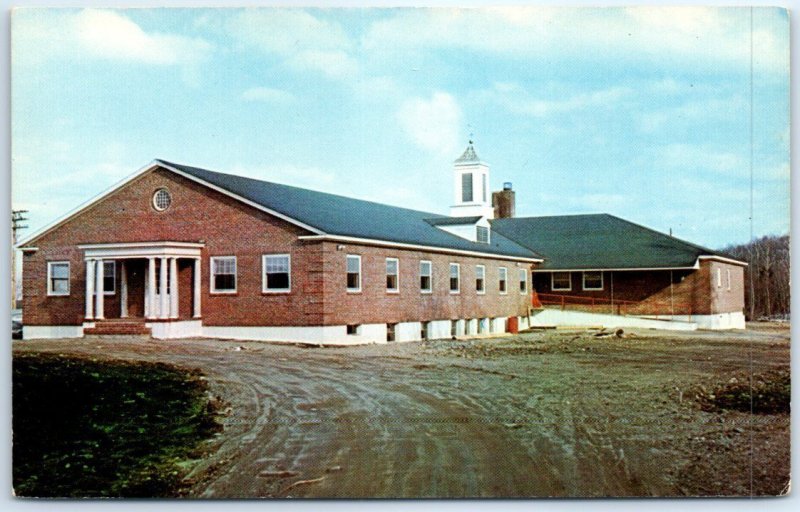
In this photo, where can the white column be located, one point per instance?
(89, 289)
(98, 308)
(162, 290)
(123, 290)
(151, 288)
(173, 287)
(197, 288)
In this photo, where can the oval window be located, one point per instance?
(162, 199)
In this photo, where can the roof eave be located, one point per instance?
(403, 245)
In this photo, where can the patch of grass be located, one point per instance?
(86, 428)
(771, 393)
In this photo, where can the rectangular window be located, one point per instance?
(353, 273)
(277, 273)
(729, 279)
(425, 278)
(482, 234)
(523, 281)
(455, 277)
(561, 281)
(57, 278)
(484, 187)
(223, 274)
(109, 277)
(503, 279)
(466, 187)
(390, 329)
(392, 275)
(353, 330)
(480, 279)
(592, 280)
(719, 278)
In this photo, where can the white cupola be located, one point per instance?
(471, 186)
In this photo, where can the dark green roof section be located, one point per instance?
(345, 216)
(598, 241)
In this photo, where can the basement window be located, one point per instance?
(561, 281)
(353, 273)
(390, 332)
(353, 330)
(503, 280)
(480, 279)
(392, 274)
(425, 276)
(57, 278)
(277, 273)
(592, 280)
(455, 278)
(223, 274)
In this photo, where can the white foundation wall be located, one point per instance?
(439, 329)
(524, 322)
(471, 327)
(557, 317)
(720, 321)
(407, 331)
(172, 330)
(40, 332)
(498, 325)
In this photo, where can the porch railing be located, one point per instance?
(657, 308)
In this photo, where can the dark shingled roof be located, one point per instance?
(598, 241)
(345, 216)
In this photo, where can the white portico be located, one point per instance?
(148, 279)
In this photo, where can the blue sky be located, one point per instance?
(642, 112)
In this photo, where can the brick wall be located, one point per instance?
(228, 227)
(375, 305)
(693, 291)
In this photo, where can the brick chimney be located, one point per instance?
(504, 202)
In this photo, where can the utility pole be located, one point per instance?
(17, 218)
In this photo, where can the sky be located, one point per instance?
(644, 113)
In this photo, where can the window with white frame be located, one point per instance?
(523, 281)
(466, 187)
(455, 277)
(277, 276)
(392, 275)
(425, 277)
(109, 278)
(57, 278)
(223, 274)
(482, 234)
(719, 278)
(353, 273)
(592, 280)
(561, 281)
(729, 279)
(480, 278)
(503, 279)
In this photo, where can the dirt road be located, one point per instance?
(541, 414)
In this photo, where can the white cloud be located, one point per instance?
(101, 34)
(516, 99)
(108, 34)
(433, 124)
(689, 34)
(300, 39)
(267, 95)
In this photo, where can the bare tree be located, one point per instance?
(768, 295)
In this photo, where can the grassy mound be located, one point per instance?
(771, 393)
(104, 429)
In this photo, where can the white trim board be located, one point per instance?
(428, 248)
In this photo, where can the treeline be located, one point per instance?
(768, 266)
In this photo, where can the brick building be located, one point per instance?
(180, 251)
